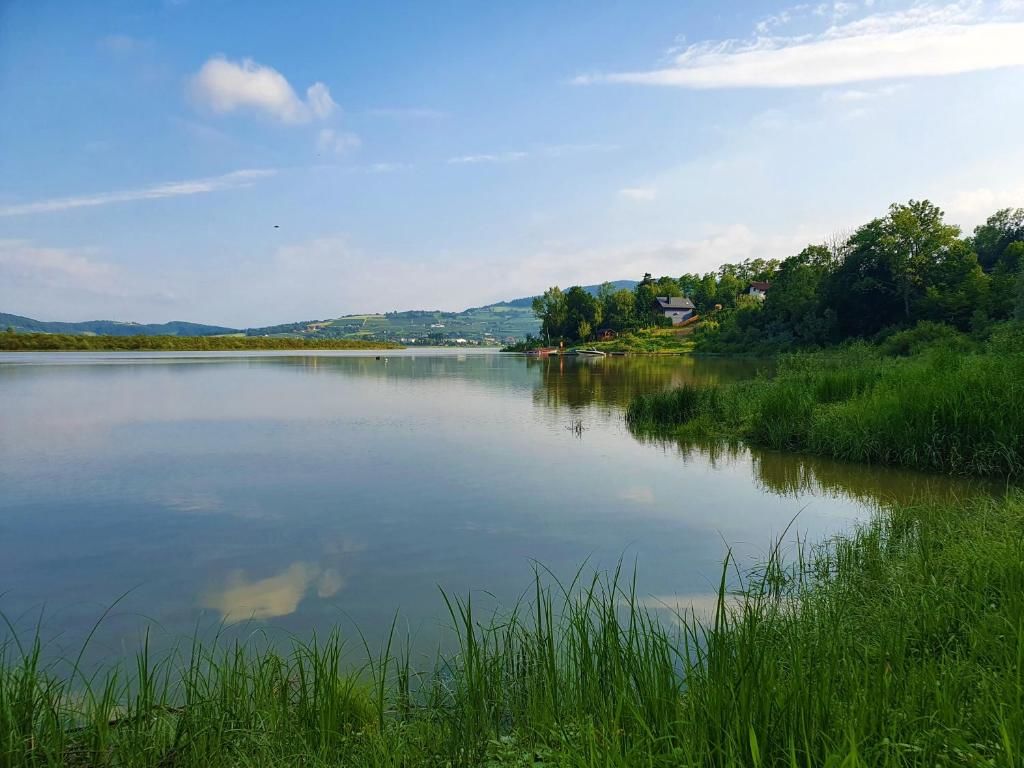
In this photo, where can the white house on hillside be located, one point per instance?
(758, 289)
(678, 309)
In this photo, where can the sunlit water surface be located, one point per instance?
(295, 491)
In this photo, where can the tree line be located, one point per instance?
(905, 267)
(891, 273)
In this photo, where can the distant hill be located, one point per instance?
(111, 327)
(527, 301)
(492, 323)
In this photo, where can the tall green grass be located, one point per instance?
(900, 645)
(941, 410)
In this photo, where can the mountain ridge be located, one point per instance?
(502, 320)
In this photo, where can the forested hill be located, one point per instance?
(111, 327)
(527, 301)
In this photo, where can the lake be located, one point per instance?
(294, 491)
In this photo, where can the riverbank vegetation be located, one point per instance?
(897, 270)
(649, 341)
(19, 342)
(897, 645)
(928, 398)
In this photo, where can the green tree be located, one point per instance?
(887, 266)
(1000, 231)
(688, 284)
(583, 314)
(730, 286)
(619, 310)
(1004, 279)
(706, 295)
(552, 310)
(643, 305)
(667, 286)
(793, 306)
(1018, 311)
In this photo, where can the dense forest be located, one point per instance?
(889, 274)
(11, 341)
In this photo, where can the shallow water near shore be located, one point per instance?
(293, 491)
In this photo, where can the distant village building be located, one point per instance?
(606, 334)
(678, 309)
(758, 289)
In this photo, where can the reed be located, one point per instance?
(941, 410)
(901, 644)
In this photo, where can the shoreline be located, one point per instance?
(832, 654)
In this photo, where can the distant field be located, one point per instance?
(13, 342)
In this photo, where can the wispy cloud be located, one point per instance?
(500, 157)
(925, 40)
(388, 167)
(639, 194)
(562, 150)
(234, 180)
(407, 113)
(223, 86)
(337, 142)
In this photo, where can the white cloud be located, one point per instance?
(922, 41)
(223, 86)
(338, 142)
(72, 283)
(48, 267)
(500, 157)
(568, 265)
(972, 206)
(234, 180)
(639, 194)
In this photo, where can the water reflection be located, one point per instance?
(243, 598)
(297, 487)
(578, 382)
(798, 476)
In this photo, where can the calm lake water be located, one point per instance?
(300, 490)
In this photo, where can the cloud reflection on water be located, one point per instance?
(274, 596)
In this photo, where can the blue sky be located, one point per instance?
(444, 155)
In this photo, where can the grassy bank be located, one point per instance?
(649, 341)
(944, 408)
(54, 342)
(899, 645)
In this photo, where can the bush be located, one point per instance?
(922, 336)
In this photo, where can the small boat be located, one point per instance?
(592, 352)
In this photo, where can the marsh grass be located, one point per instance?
(940, 410)
(899, 645)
